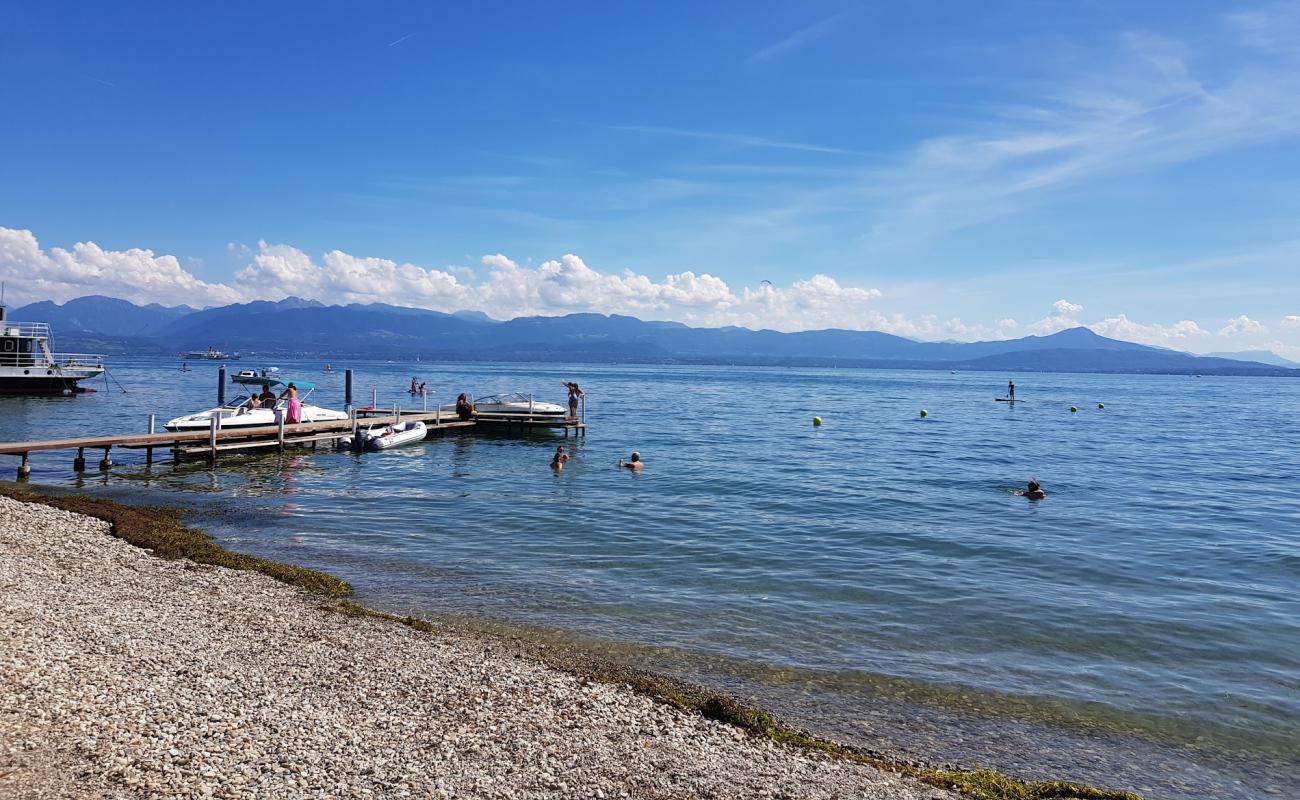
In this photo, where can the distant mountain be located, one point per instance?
(308, 328)
(107, 316)
(1258, 356)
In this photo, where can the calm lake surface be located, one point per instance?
(874, 579)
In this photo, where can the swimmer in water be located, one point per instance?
(636, 464)
(557, 463)
(1033, 491)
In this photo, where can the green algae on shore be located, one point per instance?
(160, 531)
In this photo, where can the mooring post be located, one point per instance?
(279, 428)
(424, 401)
(79, 463)
(347, 389)
(221, 386)
(352, 414)
(374, 399)
(107, 461)
(24, 468)
(213, 424)
(148, 451)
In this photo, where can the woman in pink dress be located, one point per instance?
(293, 411)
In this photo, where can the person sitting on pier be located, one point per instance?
(464, 409)
(636, 464)
(557, 463)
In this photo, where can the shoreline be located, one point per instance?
(700, 726)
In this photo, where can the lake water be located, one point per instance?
(874, 579)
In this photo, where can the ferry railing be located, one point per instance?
(55, 361)
(33, 330)
(77, 359)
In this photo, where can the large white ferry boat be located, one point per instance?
(29, 365)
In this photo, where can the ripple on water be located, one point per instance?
(881, 558)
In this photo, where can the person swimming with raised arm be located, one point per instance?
(557, 463)
(1033, 491)
(635, 464)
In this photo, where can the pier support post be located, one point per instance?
(79, 463)
(279, 428)
(213, 424)
(221, 386)
(374, 398)
(24, 468)
(347, 389)
(107, 461)
(148, 451)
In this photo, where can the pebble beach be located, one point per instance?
(127, 675)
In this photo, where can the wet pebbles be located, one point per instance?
(124, 675)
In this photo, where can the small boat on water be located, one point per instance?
(386, 437)
(512, 404)
(211, 354)
(29, 365)
(239, 412)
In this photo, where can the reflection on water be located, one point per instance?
(875, 577)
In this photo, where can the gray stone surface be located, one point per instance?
(124, 675)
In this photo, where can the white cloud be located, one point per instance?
(1242, 325)
(504, 288)
(1178, 335)
(1060, 319)
(1145, 102)
(137, 275)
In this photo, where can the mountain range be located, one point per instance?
(307, 328)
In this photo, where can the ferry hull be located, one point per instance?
(37, 386)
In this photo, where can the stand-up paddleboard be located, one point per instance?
(1007, 400)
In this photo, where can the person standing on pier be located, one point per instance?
(574, 393)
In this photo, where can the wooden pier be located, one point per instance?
(216, 441)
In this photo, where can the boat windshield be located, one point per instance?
(241, 400)
(508, 397)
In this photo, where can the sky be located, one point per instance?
(939, 170)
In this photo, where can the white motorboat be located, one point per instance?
(512, 404)
(29, 365)
(386, 437)
(240, 412)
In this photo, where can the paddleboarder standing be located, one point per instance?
(1011, 390)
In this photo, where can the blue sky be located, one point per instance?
(940, 170)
